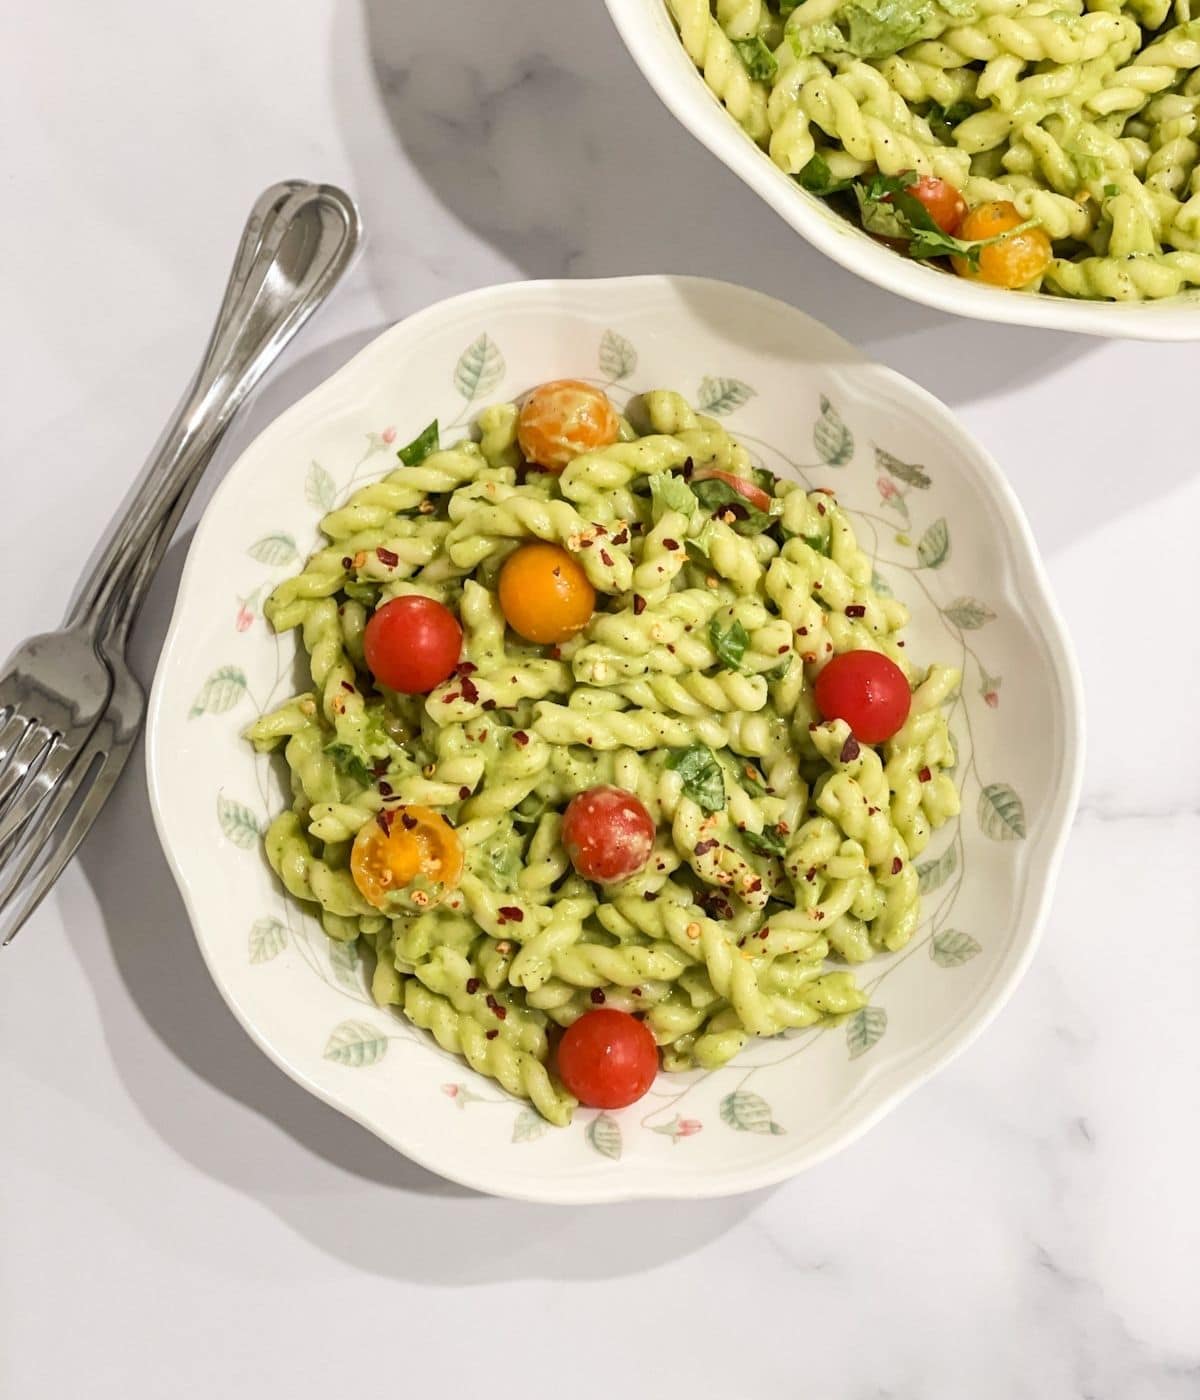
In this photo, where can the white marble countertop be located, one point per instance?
(176, 1217)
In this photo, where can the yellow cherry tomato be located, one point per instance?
(1013, 262)
(412, 852)
(563, 418)
(544, 594)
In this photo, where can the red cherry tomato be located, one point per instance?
(753, 495)
(412, 644)
(944, 204)
(607, 833)
(867, 690)
(607, 1059)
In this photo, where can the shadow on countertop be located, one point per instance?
(539, 133)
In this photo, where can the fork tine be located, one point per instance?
(30, 747)
(100, 784)
(31, 796)
(10, 732)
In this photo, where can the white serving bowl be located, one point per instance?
(957, 550)
(651, 38)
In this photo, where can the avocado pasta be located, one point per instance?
(434, 819)
(1066, 132)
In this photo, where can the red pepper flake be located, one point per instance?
(386, 557)
(606, 558)
(897, 865)
(871, 811)
(385, 789)
(586, 544)
(470, 691)
(451, 698)
(670, 544)
(801, 631)
(491, 1035)
(924, 775)
(671, 648)
(466, 668)
(347, 686)
(850, 750)
(899, 644)
(347, 563)
(763, 932)
(817, 584)
(688, 467)
(820, 508)
(463, 793)
(639, 605)
(809, 656)
(635, 991)
(495, 1008)
(649, 896)
(488, 704)
(407, 822)
(779, 651)
(811, 873)
(818, 914)
(555, 653)
(703, 847)
(520, 737)
(856, 610)
(510, 913)
(597, 997)
(600, 529)
(472, 986)
(384, 822)
(621, 537)
(754, 886)
(380, 767)
(813, 726)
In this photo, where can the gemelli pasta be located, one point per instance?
(586, 737)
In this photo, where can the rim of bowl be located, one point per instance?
(1031, 584)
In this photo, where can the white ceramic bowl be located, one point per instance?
(957, 550)
(650, 36)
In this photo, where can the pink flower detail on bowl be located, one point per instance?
(244, 618)
(388, 435)
(887, 488)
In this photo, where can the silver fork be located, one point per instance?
(75, 685)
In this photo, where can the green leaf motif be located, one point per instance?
(238, 822)
(749, 1113)
(529, 1125)
(319, 490)
(969, 614)
(864, 1029)
(604, 1134)
(950, 948)
(480, 368)
(933, 874)
(908, 472)
(618, 358)
(881, 585)
(268, 938)
(832, 439)
(344, 961)
(357, 1044)
(1001, 813)
(721, 396)
(933, 548)
(276, 550)
(221, 692)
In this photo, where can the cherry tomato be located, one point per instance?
(944, 204)
(608, 834)
(412, 644)
(1012, 262)
(751, 494)
(867, 690)
(418, 848)
(607, 1059)
(544, 594)
(563, 418)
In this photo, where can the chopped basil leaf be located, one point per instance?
(769, 842)
(1110, 190)
(751, 779)
(759, 60)
(701, 774)
(818, 543)
(719, 498)
(765, 479)
(777, 673)
(670, 492)
(420, 447)
(943, 120)
(346, 761)
(731, 645)
(888, 209)
(817, 178)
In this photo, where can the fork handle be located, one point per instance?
(298, 241)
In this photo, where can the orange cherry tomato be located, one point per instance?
(1013, 262)
(408, 852)
(563, 418)
(544, 593)
(944, 204)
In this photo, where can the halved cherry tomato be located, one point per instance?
(563, 418)
(1014, 261)
(607, 1059)
(753, 495)
(866, 689)
(544, 593)
(412, 644)
(413, 849)
(608, 833)
(944, 204)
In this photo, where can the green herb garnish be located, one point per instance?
(701, 774)
(421, 446)
(730, 645)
